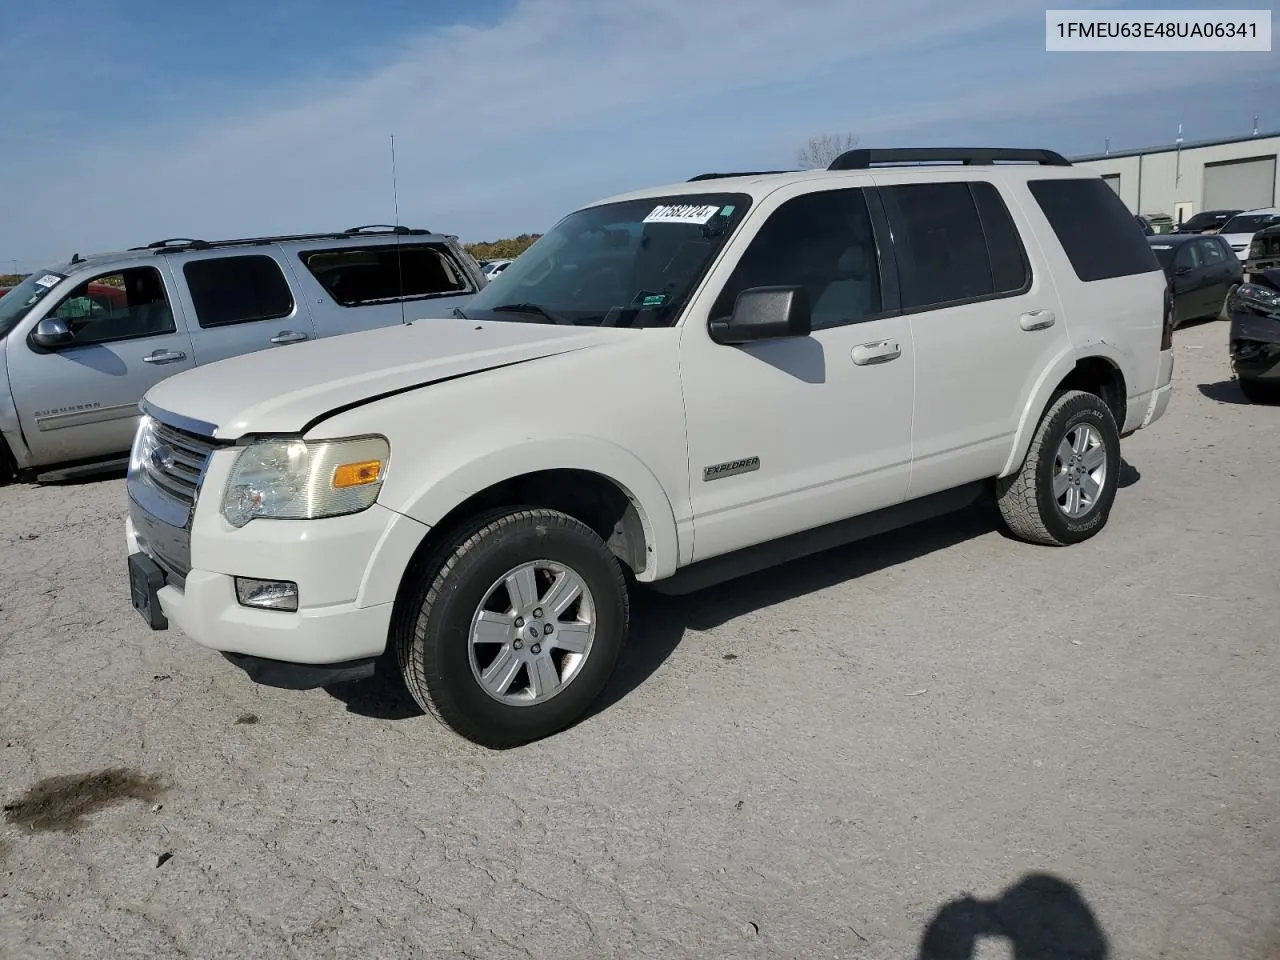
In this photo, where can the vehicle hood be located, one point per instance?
(1235, 239)
(284, 389)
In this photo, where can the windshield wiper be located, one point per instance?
(531, 308)
(457, 312)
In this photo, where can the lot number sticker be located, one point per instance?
(697, 214)
(48, 280)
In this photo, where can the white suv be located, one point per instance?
(675, 386)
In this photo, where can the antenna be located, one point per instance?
(395, 196)
(1255, 124)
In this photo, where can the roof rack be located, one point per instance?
(175, 244)
(977, 156)
(744, 173)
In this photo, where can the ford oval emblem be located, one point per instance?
(162, 458)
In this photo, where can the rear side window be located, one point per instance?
(1098, 233)
(227, 290)
(956, 243)
(356, 276)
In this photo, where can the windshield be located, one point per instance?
(15, 304)
(1205, 221)
(1250, 222)
(1164, 253)
(623, 264)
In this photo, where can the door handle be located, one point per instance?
(164, 356)
(1037, 320)
(288, 336)
(881, 351)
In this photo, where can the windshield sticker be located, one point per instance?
(1161, 246)
(697, 214)
(656, 300)
(48, 280)
(727, 211)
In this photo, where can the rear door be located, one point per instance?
(241, 302)
(1190, 283)
(1221, 272)
(80, 401)
(363, 286)
(984, 318)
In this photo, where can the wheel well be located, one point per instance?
(1103, 378)
(589, 497)
(8, 465)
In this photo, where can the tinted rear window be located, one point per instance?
(227, 290)
(1095, 228)
(382, 274)
(956, 243)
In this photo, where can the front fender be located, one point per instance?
(1047, 383)
(448, 481)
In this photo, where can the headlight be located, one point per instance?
(301, 480)
(1259, 296)
(142, 443)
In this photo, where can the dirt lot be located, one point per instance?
(820, 761)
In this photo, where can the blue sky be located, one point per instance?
(130, 120)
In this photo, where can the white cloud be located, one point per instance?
(498, 126)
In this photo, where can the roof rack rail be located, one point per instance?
(178, 244)
(744, 173)
(386, 228)
(862, 159)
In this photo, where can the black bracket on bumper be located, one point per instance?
(302, 676)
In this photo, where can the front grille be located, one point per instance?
(175, 462)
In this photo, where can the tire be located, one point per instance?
(1026, 499)
(1256, 391)
(441, 665)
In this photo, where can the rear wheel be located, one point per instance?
(514, 627)
(1064, 490)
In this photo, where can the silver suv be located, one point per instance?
(82, 341)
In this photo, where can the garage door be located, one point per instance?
(1240, 184)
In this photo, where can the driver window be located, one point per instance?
(117, 306)
(823, 242)
(1187, 256)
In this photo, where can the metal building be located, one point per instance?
(1238, 173)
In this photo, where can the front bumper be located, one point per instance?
(348, 570)
(1254, 344)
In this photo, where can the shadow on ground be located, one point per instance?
(658, 623)
(1041, 917)
(1224, 391)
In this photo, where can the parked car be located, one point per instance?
(494, 267)
(82, 341)
(1264, 251)
(1254, 338)
(1239, 230)
(4, 290)
(1202, 272)
(1206, 221)
(680, 384)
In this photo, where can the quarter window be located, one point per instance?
(227, 290)
(386, 273)
(1097, 232)
(820, 241)
(117, 306)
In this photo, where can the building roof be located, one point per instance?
(1168, 147)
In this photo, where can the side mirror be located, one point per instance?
(52, 333)
(765, 313)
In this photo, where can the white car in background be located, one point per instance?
(494, 267)
(1239, 230)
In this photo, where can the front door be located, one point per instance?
(80, 401)
(1192, 288)
(241, 303)
(1220, 273)
(791, 434)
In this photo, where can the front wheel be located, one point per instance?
(1063, 492)
(515, 626)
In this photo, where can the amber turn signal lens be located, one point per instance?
(357, 474)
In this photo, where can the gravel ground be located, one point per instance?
(940, 734)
